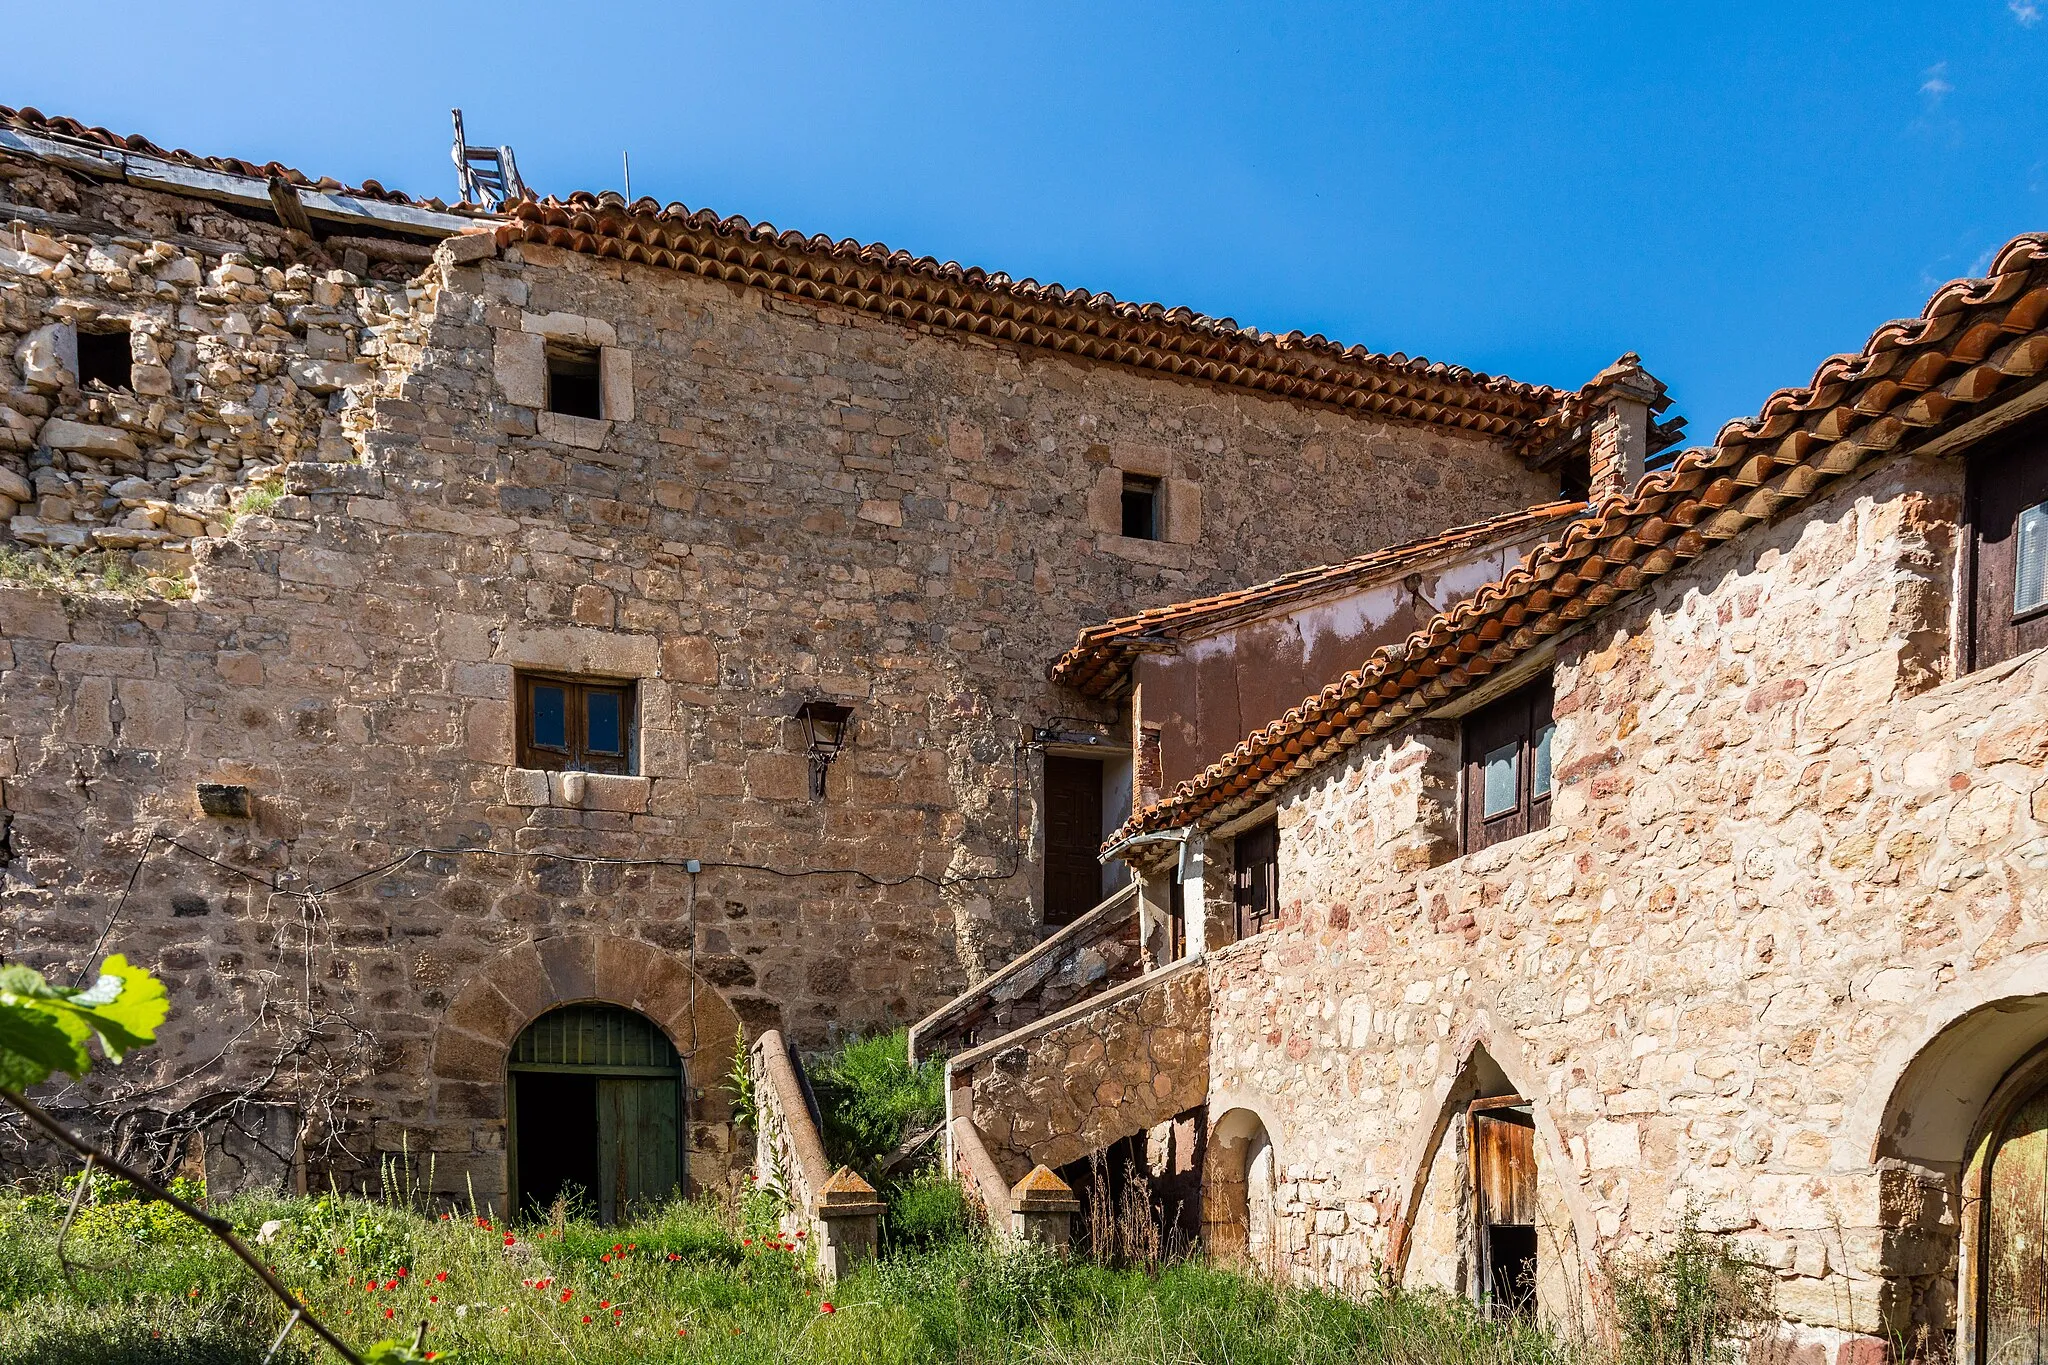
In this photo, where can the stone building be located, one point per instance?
(1690, 870)
(470, 651)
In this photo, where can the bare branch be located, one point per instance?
(219, 1227)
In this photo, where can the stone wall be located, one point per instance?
(1069, 1085)
(1788, 849)
(786, 501)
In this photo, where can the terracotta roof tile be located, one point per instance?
(922, 291)
(1099, 664)
(1975, 340)
(34, 121)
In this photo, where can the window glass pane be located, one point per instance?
(1502, 770)
(604, 724)
(1539, 780)
(2030, 574)
(550, 716)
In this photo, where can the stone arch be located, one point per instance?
(1942, 1073)
(1240, 1188)
(1927, 1138)
(1430, 1232)
(466, 1072)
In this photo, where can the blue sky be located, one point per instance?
(1733, 189)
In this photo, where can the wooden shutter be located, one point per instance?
(1073, 837)
(1255, 884)
(2005, 479)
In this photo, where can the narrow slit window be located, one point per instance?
(574, 385)
(575, 725)
(106, 358)
(1141, 507)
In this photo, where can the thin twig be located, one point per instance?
(221, 1229)
(289, 1323)
(77, 1197)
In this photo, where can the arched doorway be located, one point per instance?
(596, 1104)
(2004, 1297)
(1240, 1217)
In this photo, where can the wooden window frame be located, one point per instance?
(1993, 630)
(576, 756)
(1519, 718)
(1256, 877)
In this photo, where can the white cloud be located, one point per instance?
(1935, 86)
(2026, 11)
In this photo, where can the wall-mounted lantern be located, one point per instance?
(826, 726)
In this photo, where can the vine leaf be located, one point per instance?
(45, 1028)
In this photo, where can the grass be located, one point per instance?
(104, 573)
(691, 1282)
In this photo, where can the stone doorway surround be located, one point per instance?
(467, 1078)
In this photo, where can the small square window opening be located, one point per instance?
(1141, 507)
(574, 386)
(105, 358)
(574, 725)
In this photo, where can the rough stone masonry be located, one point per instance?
(332, 521)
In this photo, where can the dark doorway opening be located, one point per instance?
(596, 1110)
(1141, 1196)
(1511, 1254)
(557, 1139)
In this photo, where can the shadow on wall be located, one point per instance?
(1240, 1194)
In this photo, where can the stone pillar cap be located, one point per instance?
(1043, 1192)
(845, 1195)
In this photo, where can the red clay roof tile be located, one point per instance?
(1975, 339)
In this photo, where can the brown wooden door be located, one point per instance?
(1503, 1154)
(1255, 884)
(1073, 837)
(2009, 547)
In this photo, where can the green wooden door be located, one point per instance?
(638, 1143)
(610, 1088)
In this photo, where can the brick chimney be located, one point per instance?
(1623, 399)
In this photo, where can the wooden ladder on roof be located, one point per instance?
(489, 175)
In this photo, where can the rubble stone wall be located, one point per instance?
(1068, 1086)
(1789, 848)
(786, 501)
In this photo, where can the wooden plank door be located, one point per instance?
(1503, 1153)
(1073, 836)
(638, 1143)
(1255, 882)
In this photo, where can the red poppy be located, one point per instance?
(433, 1298)
(605, 1257)
(801, 1235)
(440, 1275)
(390, 1312)
(826, 1307)
(403, 1272)
(568, 1294)
(586, 1317)
(510, 1239)
(604, 1303)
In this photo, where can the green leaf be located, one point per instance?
(394, 1353)
(124, 1007)
(34, 1042)
(45, 1028)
